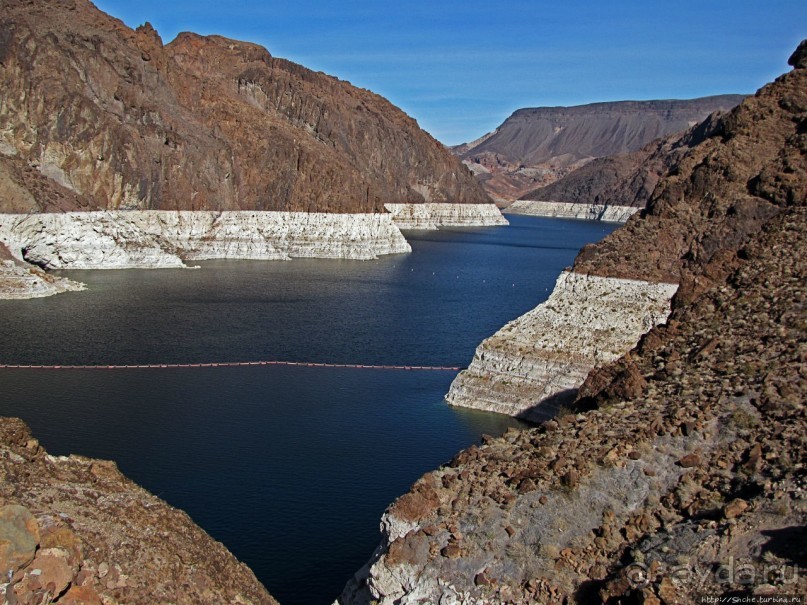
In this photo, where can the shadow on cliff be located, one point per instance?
(548, 408)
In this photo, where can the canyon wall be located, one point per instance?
(536, 146)
(95, 115)
(627, 180)
(155, 239)
(125, 239)
(589, 212)
(546, 353)
(682, 459)
(431, 216)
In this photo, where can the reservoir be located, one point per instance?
(291, 467)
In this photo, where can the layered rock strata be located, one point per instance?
(75, 531)
(625, 179)
(536, 146)
(690, 468)
(20, 280)
(680, 472)
(143, 239)
(587, 322)
(431, 216)
(109, 117)
(589, 212)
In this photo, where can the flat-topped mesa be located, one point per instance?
(536, 362)
(201, 123)
(164, 239)
(431, 216)
(536, 146)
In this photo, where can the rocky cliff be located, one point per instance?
(578, 211)
(19, 280)
(536, 146)
(587, 322)
(74, 531)
(96, 115)
(618, 181)
(433, 216)
(680, 471)
(118, 239)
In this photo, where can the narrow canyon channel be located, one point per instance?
(290, 467)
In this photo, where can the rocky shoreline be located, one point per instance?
(589, 212)
(19, 280)
(171, 239)
(158, 239)
(75, 531)
(431, 216)
(678, 470)
(539, 360)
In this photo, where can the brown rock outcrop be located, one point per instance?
(115, 119)
(742, 170)
(75, 530)
(680, 470)
(628, 179)
(620, 180)
(536, 146)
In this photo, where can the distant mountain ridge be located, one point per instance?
(536, 146)
(682, 449)
(97, 115)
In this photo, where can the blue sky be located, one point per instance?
(460, 68)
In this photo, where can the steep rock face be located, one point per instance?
(587, 212)
(165, 239)
(431, 216)
(76, 531)
(121, 121)
(684, 461)
(20, 280)
(23, 188)
(587, 322)
(536, 146)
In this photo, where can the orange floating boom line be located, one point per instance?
(158, 366)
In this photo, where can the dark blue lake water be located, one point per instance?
(290, 467)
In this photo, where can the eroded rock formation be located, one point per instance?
(683, 461)
(95, 115)
(75, 531)
(587, 322)
(587, 212)
(536, 146)
(19, 280)
(156, 239)
(432, 216)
